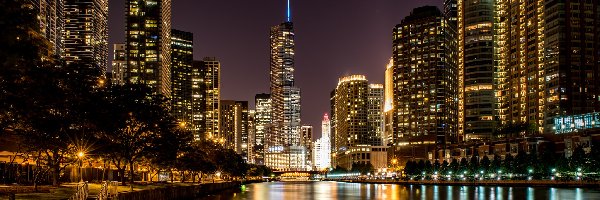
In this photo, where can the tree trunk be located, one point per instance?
(122, 174)
(55, 174)
(131, 172)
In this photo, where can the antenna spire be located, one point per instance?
(289, 13)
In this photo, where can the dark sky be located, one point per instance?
(333, 38)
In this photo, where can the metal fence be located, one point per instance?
(108, 190)
(82, 192)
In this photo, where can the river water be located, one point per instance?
(335, 190)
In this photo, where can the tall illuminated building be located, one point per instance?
(148, 40)
(198, 99)
(234, 126)
(283, 140)
(251, 136)
(306, 141)
(322, 147)
(51, 20)
(119, 64)
(212, 79)
(572, 77)
(262, 121)
(183, 85)
(85, 34)
(375, 116)
(477, 117)
(388, 99)
(425, 103)
(359, 122)
(451, 11)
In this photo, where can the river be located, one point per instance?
(336, 190)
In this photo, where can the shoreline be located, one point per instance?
(512, 183)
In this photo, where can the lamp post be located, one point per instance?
(80, 156)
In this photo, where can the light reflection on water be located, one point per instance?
(334, 190)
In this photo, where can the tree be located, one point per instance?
(496, 163)
(454, 166)
(474, 163)
(485, 164)
(131, 121)
(196, 159)
(362, 168)
(464, 165)
(508, 164)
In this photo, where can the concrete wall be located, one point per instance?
(178, 192)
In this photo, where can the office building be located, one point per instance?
(148, 44)
(85, 34)
(425, 79)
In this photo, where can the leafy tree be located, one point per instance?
(485, 164)
(362, 168)
(474, 163)
(508, 164)
(454, 166)
(428, 167)
(496, 163)
(132, 120)
(578, 159)
(445, 167)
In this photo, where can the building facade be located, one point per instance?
(477, 113)
(119, 64)
(182, 58)
(425, 79)
(284, 133)
(359, 117)
(262, 122)
(234, 126)
(322, 147)
(212, 79)
(52, 21)
(148, 44)
(85, 34)
(307, 142)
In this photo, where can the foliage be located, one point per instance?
(362, 168)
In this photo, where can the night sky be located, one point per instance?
(333, 38)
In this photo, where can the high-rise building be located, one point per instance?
(51, 19)
(198, 100)
(307, 142)
(388, 99)
(119, 64)
(285, 99)
(375, 117)
(85, 34)
(181, 76)
(476, 99)
(571, 68)
(227, 125)
(212, 79)
(322, 147)
(544, 66)
(262, 121)
(359, 122)
(234, 126)
(251, 136)
(425, 79)
(148, 40)
(451, 11)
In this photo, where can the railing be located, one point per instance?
(108, 190)
(82, 192)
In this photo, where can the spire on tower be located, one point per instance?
(289, 13)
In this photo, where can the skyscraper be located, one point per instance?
(51, 19)
(148, 40)
(476, 99)
(212, 79)
(388, 99)
(359, 122)
(262, 121)
(425, 103)
(198, 100)
(181, 76)
(285, 96)
(375, 117)
(119, 64)
(234, 126)
(545, 65)
(322, 147)
(306, 142)
(85, 34)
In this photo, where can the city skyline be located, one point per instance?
(367, 38)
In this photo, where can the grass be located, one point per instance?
(68, 189)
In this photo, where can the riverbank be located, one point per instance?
(506, 183)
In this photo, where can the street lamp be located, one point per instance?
(80, 156)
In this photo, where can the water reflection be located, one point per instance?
(335, 190)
